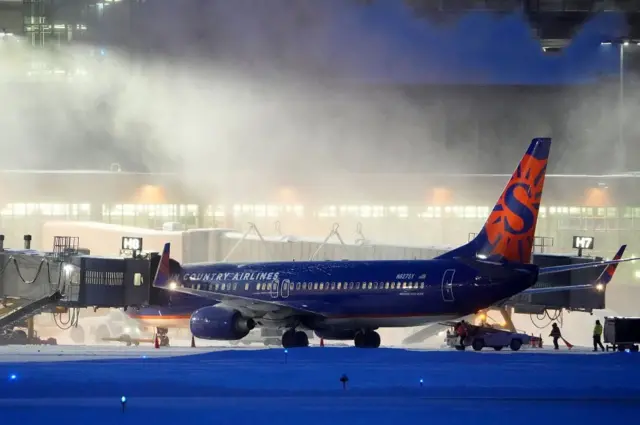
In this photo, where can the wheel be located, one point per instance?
(369, 339)
(497, 348)
(515, 344)
(477, 344)
(301, 338)
(19, 337)
(289, 339)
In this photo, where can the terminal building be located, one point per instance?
(399, 210)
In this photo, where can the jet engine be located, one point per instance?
(220, 323)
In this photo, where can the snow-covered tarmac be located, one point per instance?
(225, 385)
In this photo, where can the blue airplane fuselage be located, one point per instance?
(369, 294)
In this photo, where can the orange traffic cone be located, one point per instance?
(156, 343)
(193, 341)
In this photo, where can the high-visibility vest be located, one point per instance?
(597, 330)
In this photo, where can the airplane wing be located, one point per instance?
(246, 305)
(257, 308)
(600, 283)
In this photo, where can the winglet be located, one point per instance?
(161, 279)
(609, 271)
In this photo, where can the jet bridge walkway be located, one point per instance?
(34, 281)
(29, 310)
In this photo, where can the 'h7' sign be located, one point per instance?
(583, 242)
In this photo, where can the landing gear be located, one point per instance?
(163, 337)
(367, 339)
(293, 339)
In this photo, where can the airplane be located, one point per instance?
(176, 314)
(599, 285)
(350, 300)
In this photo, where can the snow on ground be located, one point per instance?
(59, 353)
(242, 386)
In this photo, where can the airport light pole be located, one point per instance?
(622, 45)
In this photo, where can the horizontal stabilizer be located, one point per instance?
(571, 267)
(496, 270)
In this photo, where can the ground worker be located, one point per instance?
(556, 335)
(461, 330)
(597, 336)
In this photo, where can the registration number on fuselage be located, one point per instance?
(405, 276)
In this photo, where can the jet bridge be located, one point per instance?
(70, 278)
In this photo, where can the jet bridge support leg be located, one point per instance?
(507, 315)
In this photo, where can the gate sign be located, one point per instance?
(583, 242)
(134, 244)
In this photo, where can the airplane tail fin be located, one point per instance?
(509, 232)
(163, 274)
(607, 274)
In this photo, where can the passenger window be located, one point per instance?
(269, 286)
(370, 285)
(333, 286)
(393, 285)
(217, 286)
(421, 285)
(137, 279)
(339, 285)
(321, 286)
(246, 286)
(375, 285)
(350, 285)
(298, 286)
(315, 286)
(386, 285)
(235, 286)
(291, 286)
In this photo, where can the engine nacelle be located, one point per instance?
(336, 335)
(220, 323)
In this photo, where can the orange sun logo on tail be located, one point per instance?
(510, 228)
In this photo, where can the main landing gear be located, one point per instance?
(367, 339)
(294, 339)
